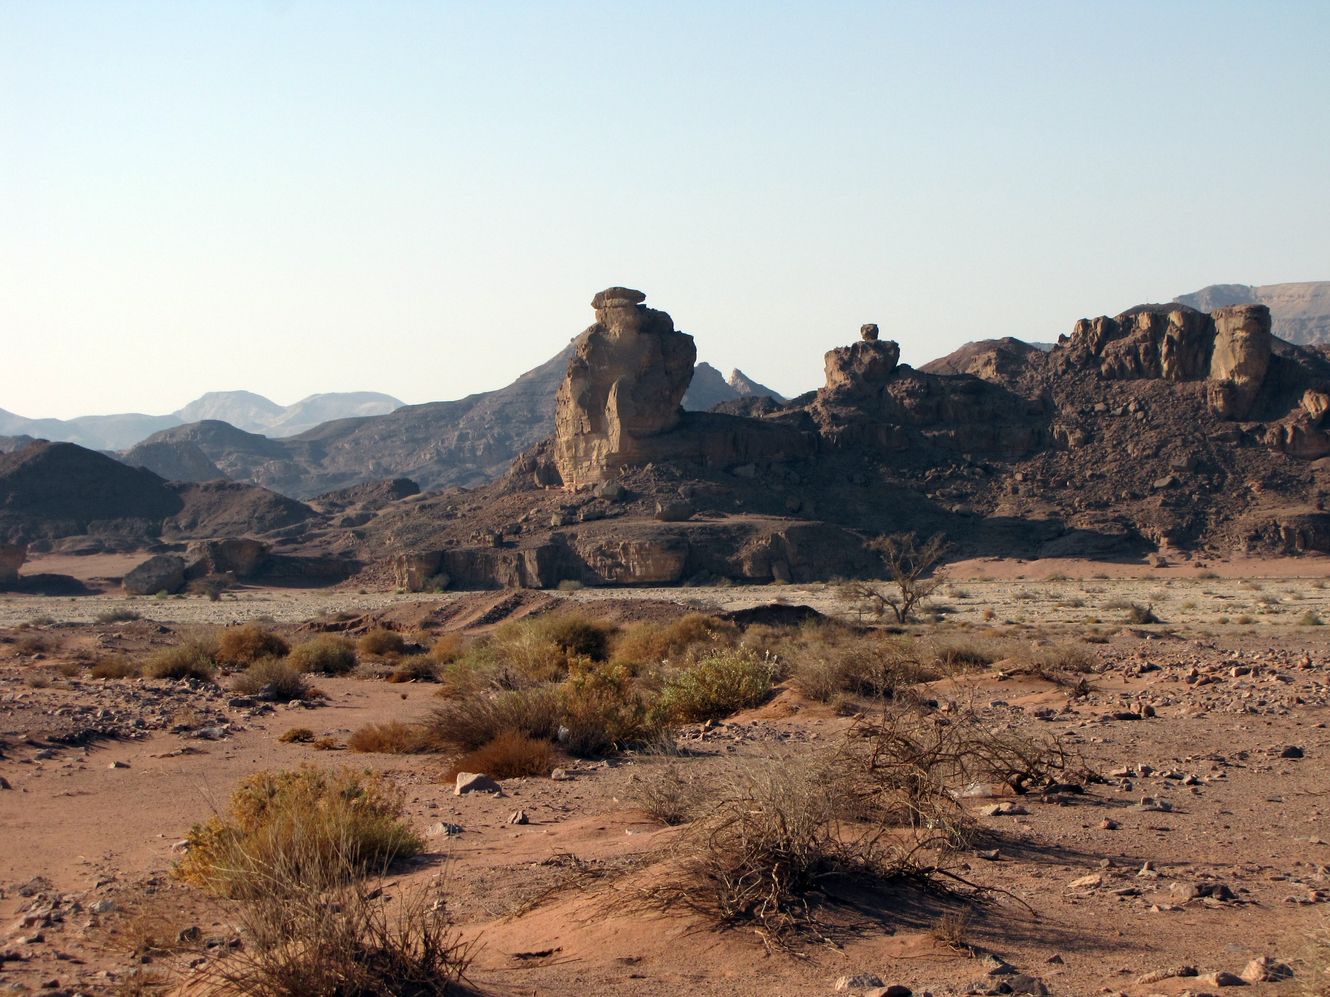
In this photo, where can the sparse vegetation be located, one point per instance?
(320, 827)
(391, 738)
(193, 658)
(119, 615)
(381, 642)
(326, 654)
(113, 666)
(297, 735)
(718, 685)
(910, 564)
(511, 755)
(274, 679)
(471, 722)
(418, 668)
(240, 646)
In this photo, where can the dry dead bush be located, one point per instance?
(121, 615)
(910, 563)
(381, 642)
(353, 939)
(36, 644)
(192, 658)
(391, 738)
(321, 826)
(958, 654)
(247, 644)
(773, 836)
(911, 769)
(952, 930)
(326, 654)
(684, 639)
(511, 755)
(474, 721)
(667, 794)
(297, 735)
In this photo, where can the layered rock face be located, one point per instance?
(1230, 349)
(625, 385)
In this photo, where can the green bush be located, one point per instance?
(718, 685)
(601, 710)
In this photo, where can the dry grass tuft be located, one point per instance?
(391, 738)
(511, 755)
(113, 666)
(321, 826)
(326, 654)
(297, 735)
(274, 679)
(245, 645)
(381, 642)
(194, 658)
(681, 641)
(476, 720)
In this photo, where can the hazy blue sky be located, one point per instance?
(421, 198)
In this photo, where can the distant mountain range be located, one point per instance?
(1300, 313)
(466, 442)
(242, 409)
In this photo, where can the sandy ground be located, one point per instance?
(85, 847)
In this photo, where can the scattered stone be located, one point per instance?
(560, 775)
(443, 829)
(476, 782)
(861, 981)
(1166, 974)
(519, 817)
(1221, 979)
(1108, 824)
(1291, 751)
(1267, 970)
(1089, 882)
(1005, 810)
(895, 990)
(118, 765)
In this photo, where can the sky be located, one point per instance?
(421, 198)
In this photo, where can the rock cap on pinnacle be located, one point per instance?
(617, 296)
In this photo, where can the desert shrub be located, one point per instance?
(862, 666)
(391, 738)
(247, 644)
(1052, 659)
(472, 722)
(274, 679)
(121, 615)
(381, 642)
(447, 649)
(322, 827)
(647, 644)
(601, 710)
(355, 939)
(543, 648)
(1311, 619)
(964, 655)
(766, 845)
(327, 654)
(511, 755)
(35, 644)
(666, 794)
(297, 735)
(113, 666)
(718, 685)
(1142, 615)
(193, 658)
(327, 744)
(418, 668)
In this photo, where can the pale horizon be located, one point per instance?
(294, 198)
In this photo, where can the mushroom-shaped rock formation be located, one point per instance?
(625, 384)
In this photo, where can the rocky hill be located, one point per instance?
(64, 492)
(1161, 429)
(1300, 312)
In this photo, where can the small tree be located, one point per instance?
(910, 566)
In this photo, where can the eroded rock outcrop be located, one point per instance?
(625, 385)
(1229, 349)
(12, 557)
(163, 573)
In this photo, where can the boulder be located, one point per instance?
(162, 573)
(625, 384)
(12, 557)
(475, 782)
(239, 557)
(866, 363)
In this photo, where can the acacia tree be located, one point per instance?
(911, 565)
